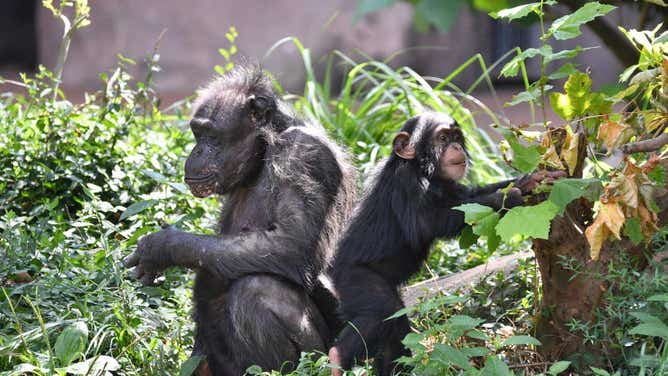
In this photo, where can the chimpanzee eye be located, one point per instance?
(444, 137)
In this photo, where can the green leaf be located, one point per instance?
(651, 330)
(566, 190)
(483, 221)
(633, 230)
(491, 5)
(442, 14)
(599, 371)
(370, 6)
(189, 366)
(253, 370)
(533, 221)
(563, 54)
(71, 343)
(495, 367)
(448, 355)
(530, 95)
(658, 298)
(467, 238)
(512, 68)
(137, 207)
(474, 212)
(657, 175)
(521, 340)
(519, 11)
(577, 98)
(568, 26)
(558, 367)
(475, 352)
(563, 72)
(93, 366)
(525, 158)
(464, 322)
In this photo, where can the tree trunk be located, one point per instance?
(568, 295)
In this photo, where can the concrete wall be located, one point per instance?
(196, 29)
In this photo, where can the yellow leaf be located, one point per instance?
(626, 188)
(551, 158)
(613, 217)
(596, 235)
(653, 119)
(609, 132)
(570, 152)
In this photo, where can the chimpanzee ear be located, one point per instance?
(260, 107)
(402, 146)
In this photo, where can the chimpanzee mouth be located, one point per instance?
(198, 180)
(457, 163)
(202, 187)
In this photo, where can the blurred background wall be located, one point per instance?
(30, 35)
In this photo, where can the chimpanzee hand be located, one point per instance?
(153, 255)
(529, 182)
(513, 198)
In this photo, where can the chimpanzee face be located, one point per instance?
(437, 143)
(230, 147)
(448, 144)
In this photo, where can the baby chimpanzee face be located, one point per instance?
(448, 145)
(437, 142)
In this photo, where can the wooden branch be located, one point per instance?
(653, 144)
(425, 289)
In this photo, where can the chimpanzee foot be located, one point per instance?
(335, 360)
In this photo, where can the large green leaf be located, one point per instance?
(138, 207)
(568, 26)
(521, 340)
(533, 221)
(71, 343)
(495, 367)
(483, 221)
(525, 158)
(558, 367)
(448, 355)
(566, 190)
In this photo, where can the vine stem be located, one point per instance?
(62, 54)
(543, 65)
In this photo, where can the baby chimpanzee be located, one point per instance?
(408, 206)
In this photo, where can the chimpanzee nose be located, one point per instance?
(457, 147)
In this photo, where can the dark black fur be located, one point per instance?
(407, 207)
(259, 295)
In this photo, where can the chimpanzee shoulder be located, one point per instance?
(304, 155)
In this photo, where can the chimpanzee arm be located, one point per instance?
(492, 188)
(288, 249)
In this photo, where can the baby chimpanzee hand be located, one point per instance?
(529, 182)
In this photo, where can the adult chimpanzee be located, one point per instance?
(288, 191)
(409, 205)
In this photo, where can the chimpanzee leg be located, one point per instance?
(369, 300)
(271, 322)
(393, 349)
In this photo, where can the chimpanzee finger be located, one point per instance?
(131, 260)
(556, 174)
(148, 279)
(538, 176)
(137, 272)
